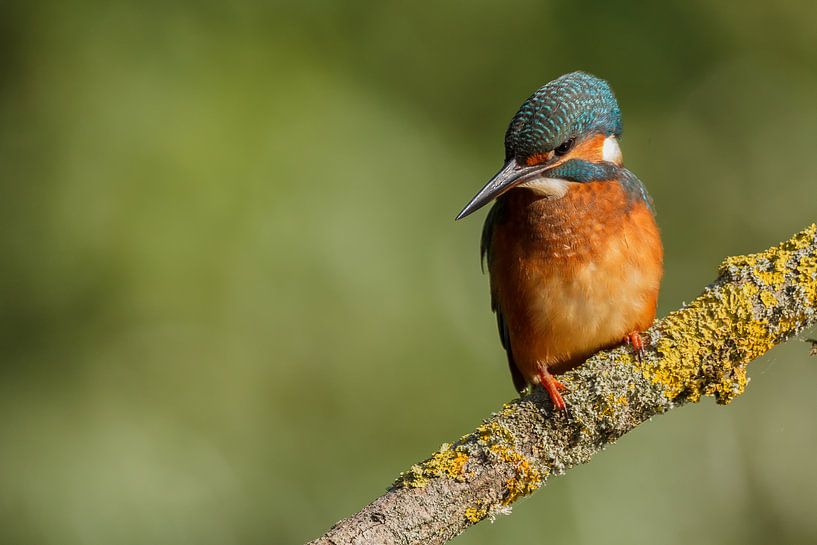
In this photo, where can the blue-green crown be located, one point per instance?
(567, 107)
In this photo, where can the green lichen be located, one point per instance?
(447, 462)
(704, 348)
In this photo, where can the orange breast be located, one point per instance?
(573, 275)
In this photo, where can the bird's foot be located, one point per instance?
(553, 387)
(635, 340)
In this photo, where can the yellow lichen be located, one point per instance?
(500, 442)
(807, 277)
(446, 462)
(770, 266)
(768, 298)
(526, 479)
(508, 409)
(476, 513)
(775, 273)
(705, 347)
(612, 404)
(494, 433)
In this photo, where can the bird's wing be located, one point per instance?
(636, 189)
(519, 381)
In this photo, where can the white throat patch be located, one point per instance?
(552, 188)
(610, 151)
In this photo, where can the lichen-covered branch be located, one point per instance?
(757, 302)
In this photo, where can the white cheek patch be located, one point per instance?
(610, 151)
(553, 188)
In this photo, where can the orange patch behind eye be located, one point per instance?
(589, 150)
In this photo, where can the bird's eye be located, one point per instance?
(564, 148)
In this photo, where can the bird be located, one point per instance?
(573, 249)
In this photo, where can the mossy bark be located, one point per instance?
(757, 302)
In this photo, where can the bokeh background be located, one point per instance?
(234, 304)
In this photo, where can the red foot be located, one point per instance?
(552, 387)
(634, 339)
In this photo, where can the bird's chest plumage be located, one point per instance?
(575, 274)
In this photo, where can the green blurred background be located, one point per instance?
(234, 302)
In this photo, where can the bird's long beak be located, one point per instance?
(510, 175)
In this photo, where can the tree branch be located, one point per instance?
(757, 302)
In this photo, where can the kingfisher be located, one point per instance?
(572, 246)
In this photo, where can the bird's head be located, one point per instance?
(565, 132)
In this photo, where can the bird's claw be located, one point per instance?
(553, 387)
(635, 340)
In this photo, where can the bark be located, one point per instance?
(757, 302)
